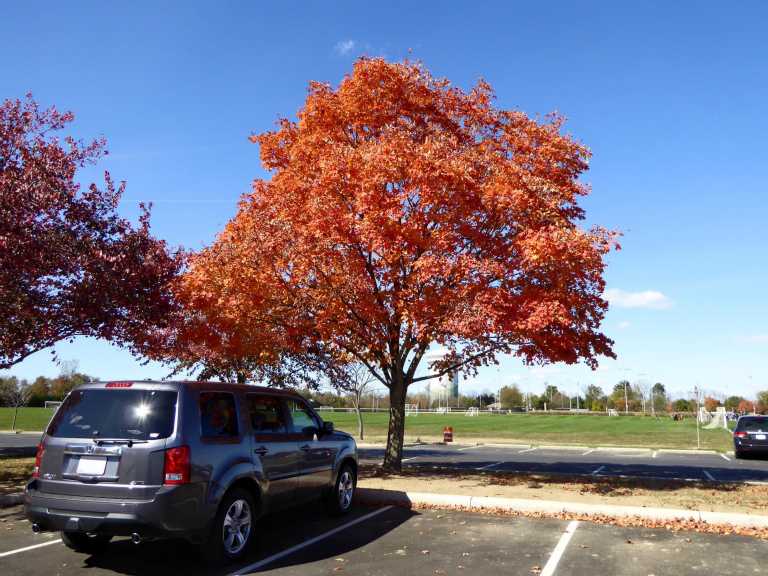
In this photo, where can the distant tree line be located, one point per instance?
(15, 393)
(625, 396)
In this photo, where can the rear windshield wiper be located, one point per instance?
(130, 442)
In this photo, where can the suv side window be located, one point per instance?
(266, 414)
(304, 420)
(218, 415)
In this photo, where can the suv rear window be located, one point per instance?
(753, 424)
(116, 413)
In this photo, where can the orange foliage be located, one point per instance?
(404, 213)
(711, 404)
(746, 407)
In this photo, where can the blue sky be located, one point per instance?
(670, 96)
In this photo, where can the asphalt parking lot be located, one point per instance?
(582, 461)
(377, 540)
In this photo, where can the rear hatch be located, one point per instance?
(752, 432)
(107, 440)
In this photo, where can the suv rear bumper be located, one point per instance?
(175, 511)
(747, 446)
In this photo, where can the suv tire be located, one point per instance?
(340, 502)
(86, 543)
(233, 526)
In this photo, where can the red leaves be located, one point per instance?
(69, 265)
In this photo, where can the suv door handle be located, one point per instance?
(261, 451)
(305, 448)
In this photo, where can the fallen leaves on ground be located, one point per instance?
(674, 525)
(658, 493)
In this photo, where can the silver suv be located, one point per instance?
(197, 460)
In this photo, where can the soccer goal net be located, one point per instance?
(472, 411)
(52, 404)
(612, 412)
(718, 418)
(411, 409)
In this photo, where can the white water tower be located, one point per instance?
(447, 385)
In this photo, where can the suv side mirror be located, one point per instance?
(327, 427)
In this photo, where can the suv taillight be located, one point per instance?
(740, 434)
(177, 465)
(36, 469)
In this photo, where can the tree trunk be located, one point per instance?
(394, 455)
(15, 412)
(359, 421)
(358, 394)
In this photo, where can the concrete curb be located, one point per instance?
(566, 447)
(511, 446)
(549, 507)
(11, 500)
(671, 451)
(620, 449)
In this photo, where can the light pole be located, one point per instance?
(626, 399)
(698, 410)
(653, 407)
(577, 396)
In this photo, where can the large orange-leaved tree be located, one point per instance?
(404, 213)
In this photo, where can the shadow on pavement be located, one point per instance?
(274, 533)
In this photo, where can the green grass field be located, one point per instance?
(543, 429)
(28, 419)
(535, 429)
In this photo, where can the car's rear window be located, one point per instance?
(116, 414)
(753, 424)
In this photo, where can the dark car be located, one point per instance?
(197, 460)
(750, 435)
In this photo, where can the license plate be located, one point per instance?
(759, 436)
(92, 466)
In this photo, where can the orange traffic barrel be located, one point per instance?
(448, 434)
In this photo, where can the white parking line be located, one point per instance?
(726, 457)
(587, 452)
(489, 466)
(408, 459)
(279, 555)
(528, 450)
(655, 454)
(549, 569)
(57, 541)
(596, 471)
(709, 476)
(468, 448)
